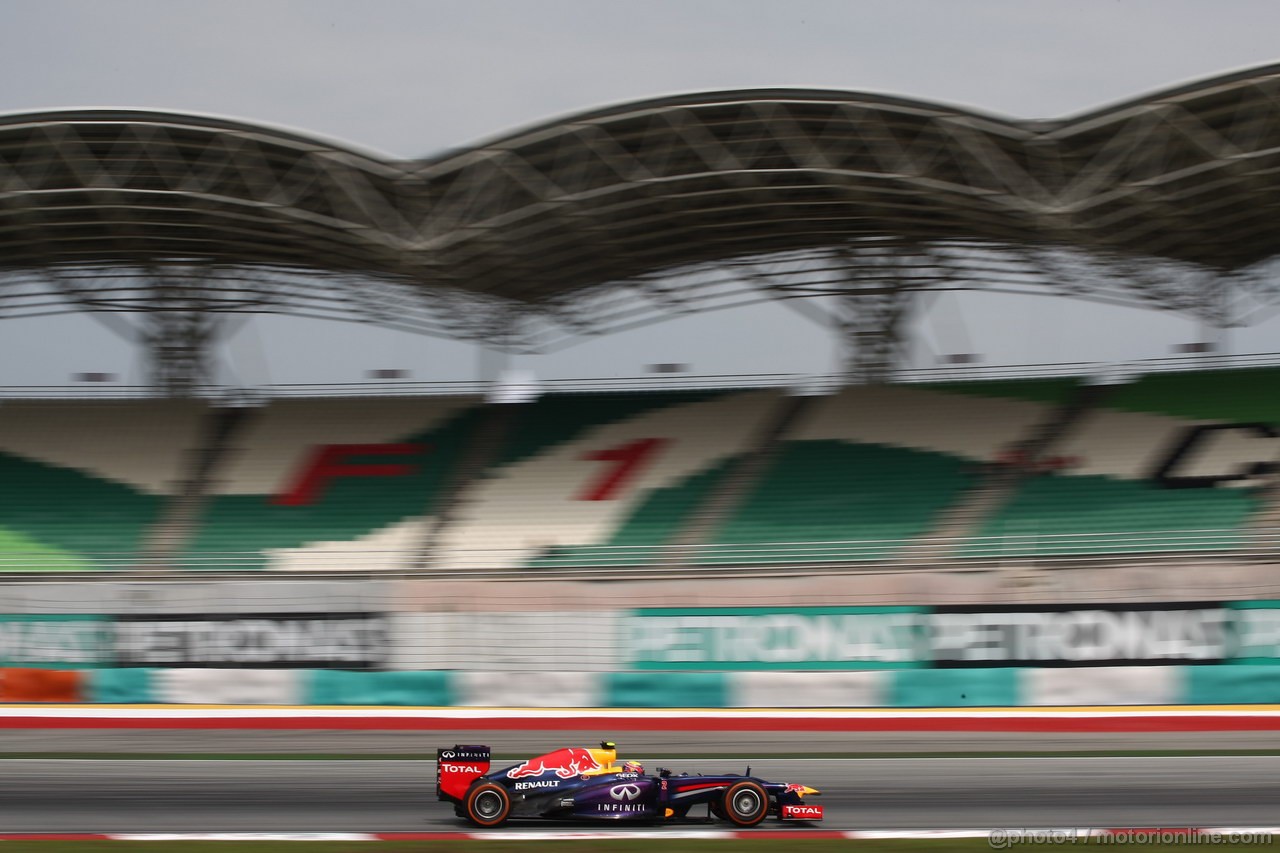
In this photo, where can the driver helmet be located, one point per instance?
(632, 767)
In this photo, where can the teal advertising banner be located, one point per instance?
(758, 638)
(707, 639)
(956, 636)
(1255, 632)
(56, 640)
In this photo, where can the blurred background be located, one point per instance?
(589, 355)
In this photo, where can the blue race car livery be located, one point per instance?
(577, 783)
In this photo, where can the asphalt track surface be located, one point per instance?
(398, 796)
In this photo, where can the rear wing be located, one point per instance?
(456, 768)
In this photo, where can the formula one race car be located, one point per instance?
(588, 784)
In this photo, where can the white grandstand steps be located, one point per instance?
(479, 455)
(518, 511)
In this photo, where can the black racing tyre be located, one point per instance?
(745, 803)
(488, 804)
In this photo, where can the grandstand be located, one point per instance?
(608, 220)
(958, 472)
(950, 536)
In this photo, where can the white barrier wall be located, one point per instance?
(529, 689)
(574, 603)
(361, 623)
(1102, 685)
(229, 686)
(865, 689)
(584, 641)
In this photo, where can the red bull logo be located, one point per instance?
(565, 763)
(792, 788)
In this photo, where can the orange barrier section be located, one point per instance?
(40, 685)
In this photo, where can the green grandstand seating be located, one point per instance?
(22, 553)
(1057, 514)
(352, 510)
(873, 467)
(874, 497)
(102, 505)
(82, 482)
(57, 518)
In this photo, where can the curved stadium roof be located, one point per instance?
(621, 215)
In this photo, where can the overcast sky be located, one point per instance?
(415, 77)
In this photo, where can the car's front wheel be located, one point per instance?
(488, 804)
(745, 803)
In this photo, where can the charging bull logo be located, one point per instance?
(565, 763)
(793, 788)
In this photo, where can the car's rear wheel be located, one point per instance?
(745, 803)
(488, 804)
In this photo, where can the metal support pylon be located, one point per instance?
(179, 331)
(871, 330)
(178, 350)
